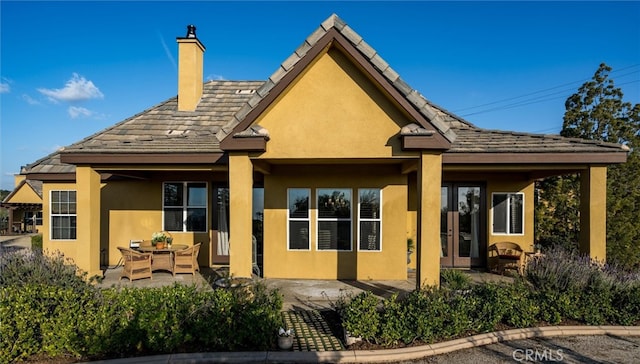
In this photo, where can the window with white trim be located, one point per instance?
(299, 218)
(185, 206)
(334, 219)
(508, 213)
(369, 219)
(63, 215)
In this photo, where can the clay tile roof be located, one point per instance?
(162, 128)
(49, 164)
(497, 141)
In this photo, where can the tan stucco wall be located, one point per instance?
(512, 184)
(390, 263)
(190, 73)
(593, 212)
(333, 111)
(129, 210)
(139, 215)
(66, 247)
(25, 194)
(240, 214)
(17, 178)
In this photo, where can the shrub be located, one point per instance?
(360, 315)
(21, 268)
(90, 323)
(492, 304)
(572, 286)
(36, 242)
(454, 279)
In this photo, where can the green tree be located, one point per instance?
(597, 112)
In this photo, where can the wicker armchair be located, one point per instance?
(505, 256)
(136, 265)
(186, 261)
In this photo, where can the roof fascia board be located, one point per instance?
(141, 158)
(249, 144)
(534, 158)
(52, 177)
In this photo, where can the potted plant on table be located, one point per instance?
(285, 339)
(159, 239)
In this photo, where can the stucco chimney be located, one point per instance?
(190, 70)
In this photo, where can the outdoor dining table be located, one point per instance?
(162, 259)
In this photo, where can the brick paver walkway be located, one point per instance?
(311, 331)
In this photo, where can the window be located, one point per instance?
(298, 214)
(508, 213)
(63, 215)
(33, 218)
(185, 206)
(334, 219)
(369, 219)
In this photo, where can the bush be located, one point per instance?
(572, 286)
(454, 279)
(55, 320)
(360, 315)
(36, 242)
(21, 268)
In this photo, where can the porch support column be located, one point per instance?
(240, 214)
(88, 220)
(428, 245)
(593, 212)
(10, 222)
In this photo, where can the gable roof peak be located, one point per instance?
(329, 29)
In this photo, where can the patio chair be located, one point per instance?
(136, 265)
(186, 261)
(505, 256)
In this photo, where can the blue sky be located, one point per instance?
(70, 69)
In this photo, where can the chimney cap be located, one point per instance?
(191, 31)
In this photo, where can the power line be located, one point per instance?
(538, 99)
(542, 91)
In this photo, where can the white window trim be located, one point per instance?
(51, 215)
(318, 219)
(308, 219)
(379, 220)
(185, 207)
(508, 217)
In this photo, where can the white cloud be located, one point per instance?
(77, 88)
(30, 100)
(75, 112)
(4, 88)
(215, 77)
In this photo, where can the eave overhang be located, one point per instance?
(535, 158)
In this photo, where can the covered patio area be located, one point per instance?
(298, 294)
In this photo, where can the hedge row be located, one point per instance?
(40, 319)
(558, 288)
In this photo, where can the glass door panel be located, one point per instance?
(462, 223)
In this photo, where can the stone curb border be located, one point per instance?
(386, 355)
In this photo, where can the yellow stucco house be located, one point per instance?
(331, 164)
(24, 207)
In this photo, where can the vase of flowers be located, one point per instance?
(285, 339)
